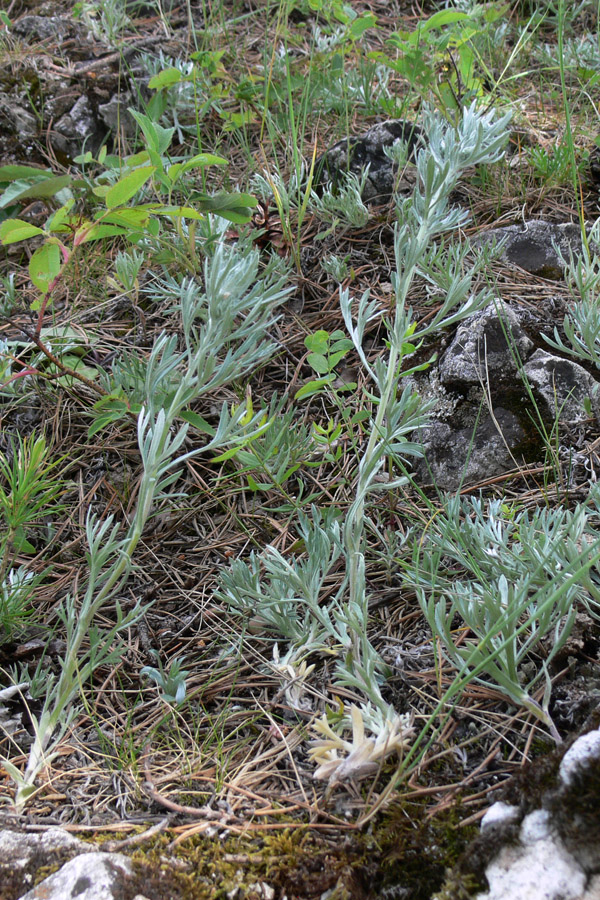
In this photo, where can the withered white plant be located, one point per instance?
(285, 595)
(225, 330)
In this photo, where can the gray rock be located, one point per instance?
(91, 876)
(17, 848)
(115, 116)
(455, 456)
(480, 353)
(77, 129)
(355, 154)
(41, 28)
(562, 386)
(21, 121)
(78, 122)
(531, 246)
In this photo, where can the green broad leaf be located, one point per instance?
(334, 358)
(318, 342)
(44, 266)
(46, 188)
(65, 335)
(234, 207)
(102, 421)
(157, 137)
(107, 410)
(102, 154)
(97, 232)
(126, 187)
(181, 212)
(341, 346)
(223, 457)
(41, 187)
(255, 486)
(84, 158)
(313, 387)
(133, 161)
(319, 363)
(362, 24)
(11, 173)
(441, 18)
(77, 365)
(166, 78)
(197, 421)
(135, 216)
(14, 230)
(4, 19)
(58, 220)
(113, 402)
(196, 162)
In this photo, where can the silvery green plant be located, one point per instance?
(286, 598)
(224, 331)
(172, 682)
(502, 577)
(582, 321)
(342, 203)
(224, 334)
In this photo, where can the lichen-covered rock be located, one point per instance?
(116, 116)
(545, 845)
(538, 867)
(355, 154)
(472, 452)
(91, 876)
(563, 387)
(18, 848)
(42, 28)
(485, 348)
(537, 246)
(77, 129)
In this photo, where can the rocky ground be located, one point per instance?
(134, 808)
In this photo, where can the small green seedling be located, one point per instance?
(325, 352)
(172, 682)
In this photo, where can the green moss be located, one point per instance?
(403, 849)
